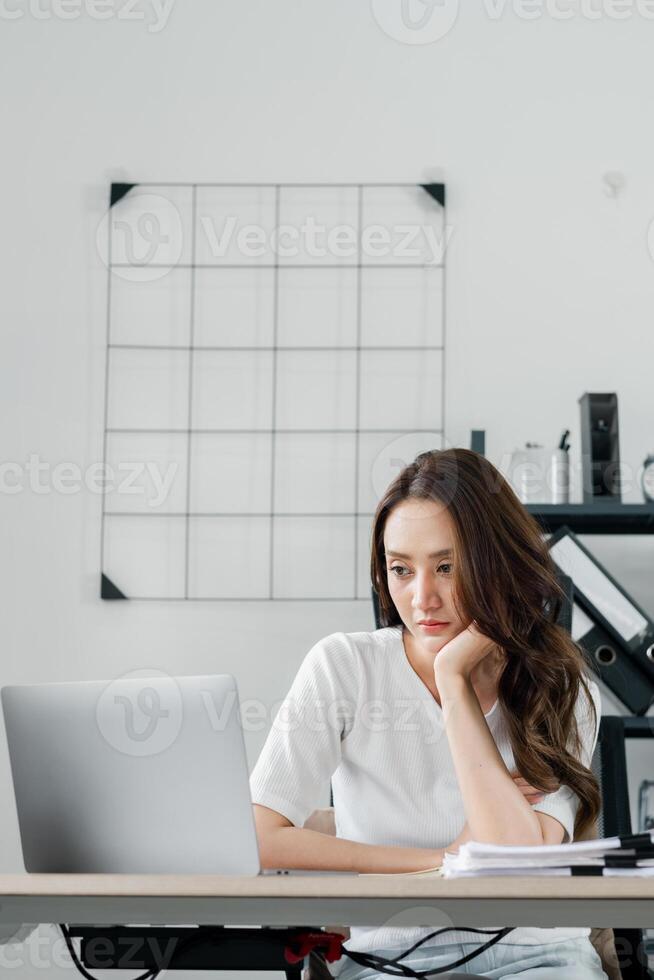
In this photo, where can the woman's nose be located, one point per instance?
(426, 593)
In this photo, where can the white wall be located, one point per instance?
(550, 282)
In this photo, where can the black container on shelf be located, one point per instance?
(600, 447)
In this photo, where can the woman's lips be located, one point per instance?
(432, 627)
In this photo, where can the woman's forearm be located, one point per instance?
(496, 810)
(298, 847)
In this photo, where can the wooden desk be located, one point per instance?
(315, 900)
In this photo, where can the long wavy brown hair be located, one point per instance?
(505, 580)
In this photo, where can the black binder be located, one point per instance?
(614, 666)
(606, 602)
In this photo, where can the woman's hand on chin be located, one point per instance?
(460, 656)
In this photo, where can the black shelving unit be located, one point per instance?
(600, 518)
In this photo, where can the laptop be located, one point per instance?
(140, 775)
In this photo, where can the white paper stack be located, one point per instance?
(611, 856)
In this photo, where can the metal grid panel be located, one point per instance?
(275, 353)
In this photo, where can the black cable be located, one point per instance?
(439, 932)
(430, 935)
(407, 971)
(381, 963)
(150, 975)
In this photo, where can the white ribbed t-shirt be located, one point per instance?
(358, 714)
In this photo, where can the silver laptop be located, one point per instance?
(144, 774)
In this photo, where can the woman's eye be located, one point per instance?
(445, 568)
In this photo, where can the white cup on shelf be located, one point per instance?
(540, 476)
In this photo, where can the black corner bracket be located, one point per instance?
(108, 590)
(437, 191)
(118, 192)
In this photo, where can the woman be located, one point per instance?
(466, 717)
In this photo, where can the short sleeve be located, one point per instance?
(303, 747)
(564, 803)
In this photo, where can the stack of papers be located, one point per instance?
(631, 856)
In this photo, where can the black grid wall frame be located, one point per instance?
(275, 355)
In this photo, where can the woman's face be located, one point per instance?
(419, 547)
